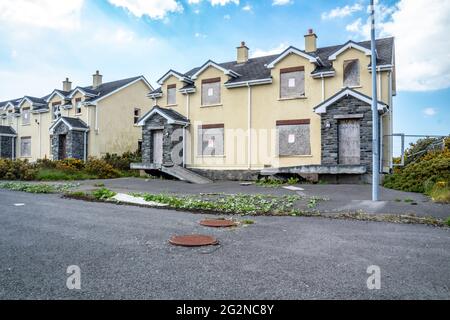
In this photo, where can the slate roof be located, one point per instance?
(7, 130)
(172, 114)
(102, 90)
(14, 101)
(255, 68)
(75, 122)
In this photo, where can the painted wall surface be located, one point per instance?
(117, 132)
(266, 109)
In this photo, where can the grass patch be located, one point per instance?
(35, 188)
(408, 200)
(448, 221)
(247, 222)
(440, 192)
(62, 175)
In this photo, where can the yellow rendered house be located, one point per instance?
(300, 111)
(75, 122)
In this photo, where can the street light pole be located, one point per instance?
(375, 116)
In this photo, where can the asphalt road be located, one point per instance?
(123, 254)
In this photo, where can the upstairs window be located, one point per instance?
(292, 83)
(25, 116)
(78, 105)
(211, 140)
(137, 115)
(171, 94)
(10, 117)
(351, 73)
(56, 110)
(211, 92)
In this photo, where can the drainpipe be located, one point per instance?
(40, 135)
(85, 146)
(391, 117)
(184, 147)
(96, 120)
(323, 88)
(249, 115)
(188, 111)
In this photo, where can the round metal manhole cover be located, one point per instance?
(193, 240)
(218, 223)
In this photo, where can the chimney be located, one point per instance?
(242, 53)
(67, 85)
(96, 80)
(310, 41)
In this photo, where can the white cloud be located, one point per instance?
(227, 17)
(341, 12)
(155, 9)
(42, 13)
(281, 2)
(422, 41)
(200, 35)
(429, 112)
(247, 8)
(215, 2)
(262, 53)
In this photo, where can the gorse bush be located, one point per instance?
(124, 161)
(101, 169)
(17, 170)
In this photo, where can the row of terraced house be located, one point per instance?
(300, 111)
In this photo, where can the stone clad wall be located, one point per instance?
(74, 142)
(172, 140)
(330, 136)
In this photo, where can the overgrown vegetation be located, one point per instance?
(244, 204)
(103, 194)
(109, 167)
(272, 182)
(36, 187)
(428, 172)
(448, 221)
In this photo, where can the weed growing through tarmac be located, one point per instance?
(103, 194)
(448, 221)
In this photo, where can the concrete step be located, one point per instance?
(185, 175)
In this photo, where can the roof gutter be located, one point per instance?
(326, 74)
(249, 83)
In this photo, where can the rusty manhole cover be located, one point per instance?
(218, 223)
(193, 240)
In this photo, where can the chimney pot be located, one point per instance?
(311, 41)
(97, 79)
(242, 53)
(67, 85)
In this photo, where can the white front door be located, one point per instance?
(349, 142)
(158, 147)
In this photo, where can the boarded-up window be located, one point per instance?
(26, 116)
(292, 82)
(171, 94)
(25, 147)
(294, 138)
(211, 92)
(351, 73)
(211, 140)
(56, 110)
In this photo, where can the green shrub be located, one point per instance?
(421, 176)
(16, 170)
(448, 221)
(103, 194)
(27, 187)
(101, 169)
(440, 192)
(123, 161)
(60, 175)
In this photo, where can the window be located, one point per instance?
(137, 115)
(351, 73)
(171, 94)
(292, 83)
(25, 116)
(211, 140)
(211, 92)
(10, 117)
(25, 147)
(294, 138)
(56, 110)
(78, 105)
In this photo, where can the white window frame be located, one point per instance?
(26, 113)
(22, 155)
(136, 117)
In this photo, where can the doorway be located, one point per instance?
(349, 142)
(158, 146)
(62, 153)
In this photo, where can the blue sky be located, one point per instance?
(44, 41)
